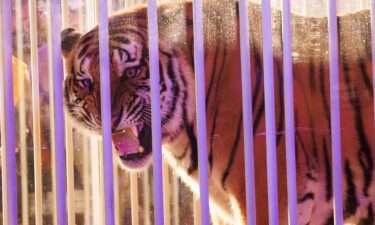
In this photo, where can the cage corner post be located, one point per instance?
(8, 155)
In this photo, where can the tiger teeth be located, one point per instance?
(134, 130)
(141, 149)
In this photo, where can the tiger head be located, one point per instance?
(130, 89)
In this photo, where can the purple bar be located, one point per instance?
(201, 110)
(105, 94)
(289, 114)
(373, 47)
(270, 113)
(155, 111)
(247, 112)
(57, 71)
(335, 112)
(8, 140)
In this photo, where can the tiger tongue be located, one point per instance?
(126, 142)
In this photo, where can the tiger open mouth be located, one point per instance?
(133, 146)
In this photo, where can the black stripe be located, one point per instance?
(163, 87)
(87, 38)
(121, 39)
(210, 156)
(330, 220)
(351, 202)
(132, 104)
(175, 90)
(123, 51)
(312, 82)
(308, 196)
(232, 152)
(136, 113)
(180, 157)
(370, 217)
(212, 79)
(122, 32)
(258, 77)
(304, 150)
(194, 149)
(280, 125)
(258, 116)
(366, 78)
(324, 95)
(310, 176)
(83, 50)
(328, 171)
(364, 153)
(313, 138)
(257, 91)
(134, 110)
(221, 72)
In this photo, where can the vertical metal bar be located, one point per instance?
(134, 198)
(70, 173)
(116, 193)
(3, 209)
(36, 113)
(110, 7)
(373, 48)
(81, 16)
(166, 191)
(96, 184)
(22, 117)
(9, 179)
(270, 113)
(176, 206)
(91, 13)
(146, 199)
(335, 112)
(201, 109)
(86, 179)
(51, 114)
(65, 13)
(105, 95)
(58, 132)
(155, 110)
(69, 140)
(196, 210)
(247, 112)
(96, 219)
(99, 147)
(289, 114)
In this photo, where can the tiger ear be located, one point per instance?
(69, 38)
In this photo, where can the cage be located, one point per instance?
(56, 172)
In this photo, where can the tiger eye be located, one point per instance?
(131, 72)
(78, 100)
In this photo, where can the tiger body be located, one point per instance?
(130, 97)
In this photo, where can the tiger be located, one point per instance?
(131, 105)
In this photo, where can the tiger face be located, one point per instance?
(130, 91)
